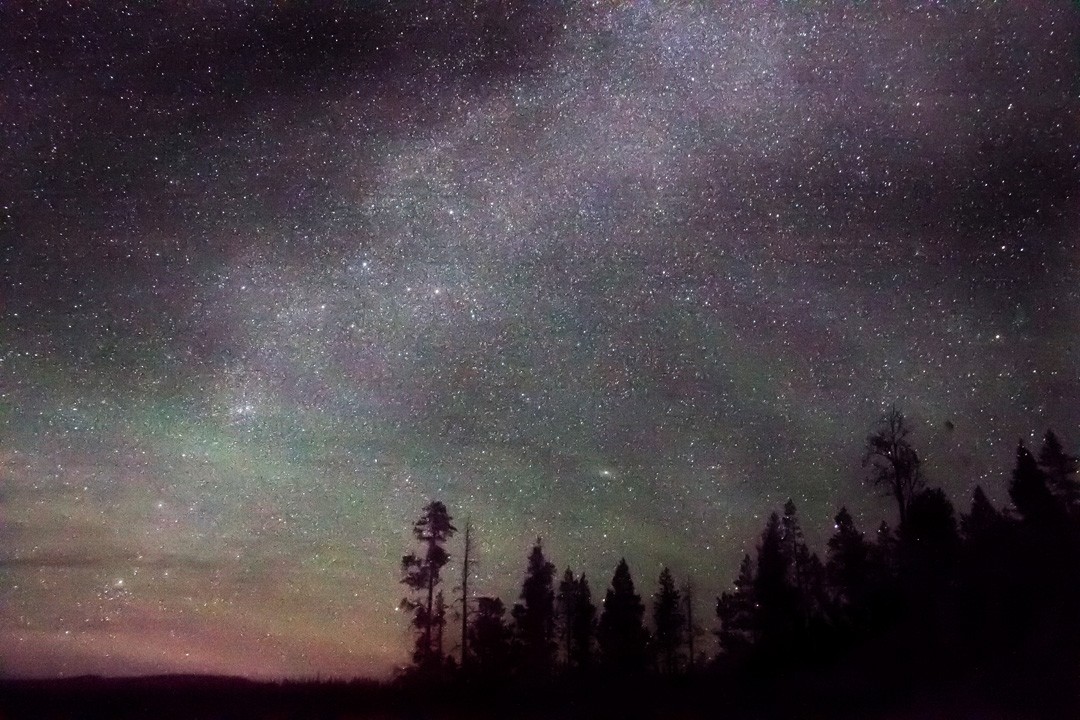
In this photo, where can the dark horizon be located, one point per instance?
(622, 275)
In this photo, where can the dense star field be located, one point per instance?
(623, 275)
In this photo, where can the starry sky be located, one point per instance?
(623, 275)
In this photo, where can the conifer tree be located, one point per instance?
(990, 591)
(803, 567)
(489, 637)
(883, 552)
(815, 595)
(621, 635)
(929, 551)
(883, 576)
(775, 597)
(930, 536)
(1060, 469)
(1048, 553)
(534, 616)
(422, 575)
(583, 627)
(737, 612)
(668, 621)
(439, 620)
(692, 629)
(983, 522)
(848, 563)
(1029, 491)
(466, 571)
(566, 607)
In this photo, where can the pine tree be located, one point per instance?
(566, 607)
(929, 545)
(439, 620)
(489, 638)
(668, 621)
(422, 575)
(737, 612)
(622, 637)
(776, 598)
(848, 564)
(883, 584)
(930, 537)
(990, 585)
(803, 576)
(534, 616)
(691, 628)
(583, 627)
(1029, 490)
(1060, 469)
(883, 551)
(466, 569)
(1048, 549)
(814, 601)
(983, 522)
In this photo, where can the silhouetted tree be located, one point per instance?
(439, 621)
(986, 613)
(983, 522)
(930, 539)
(1029, 490)
(929, 546)
(895, 466)
(583, 626)
(847, 568)
(668, 621)
(883, 582)
(883, 551)
(1060, 469)
(737, 612)
(815, 597)
(433, 529)
(1046, 595)
(692, 630)
(622, 637)
(806, 574)
(534, 616)
(466, 569)
(489, 637)
(775, 597)
(577, 620)
(565, 607)
(794, 544)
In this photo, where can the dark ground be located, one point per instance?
(804, 694)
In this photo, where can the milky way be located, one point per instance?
(623, 275)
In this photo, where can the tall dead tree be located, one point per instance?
(691, 629)
(466, 567)
(894, 465)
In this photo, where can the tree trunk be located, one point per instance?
(689, 591)
(465, 597)
(430, 616)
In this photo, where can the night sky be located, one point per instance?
(623, 275)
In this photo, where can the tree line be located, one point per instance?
(554, 626)
(993, 592)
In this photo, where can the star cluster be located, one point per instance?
(623, 275)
